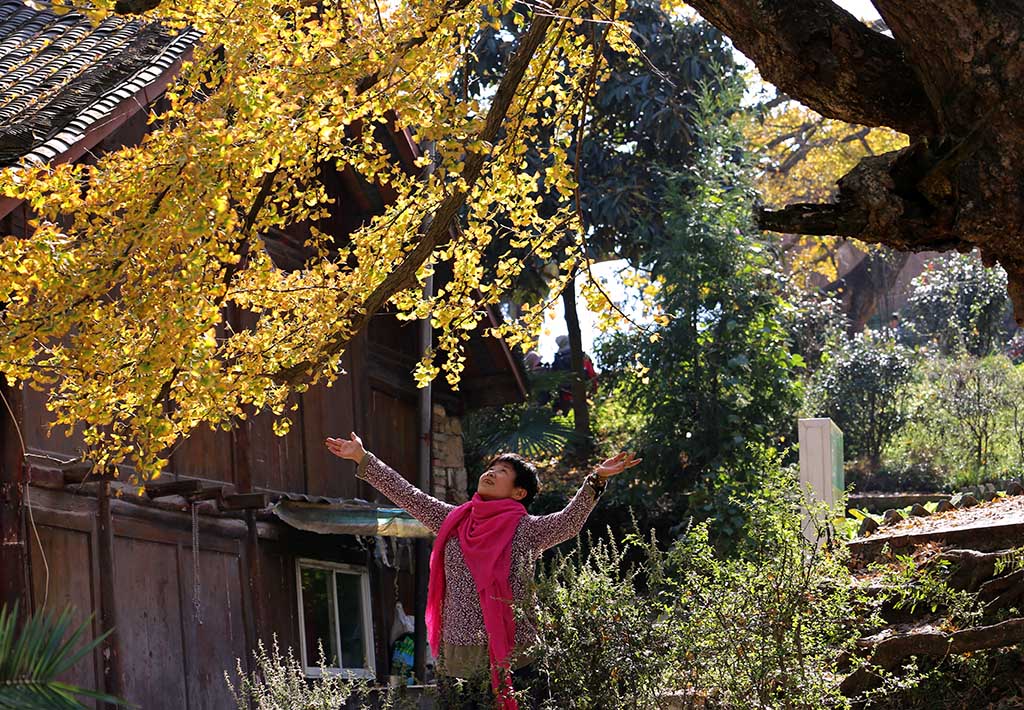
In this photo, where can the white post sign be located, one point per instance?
(821, 463)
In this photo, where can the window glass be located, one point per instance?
(318, 614)
(350, 612)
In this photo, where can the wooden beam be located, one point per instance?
(184, 487)
(81, 472)
(208, 493)
(243, 501)
(254, 599)
(44, 476)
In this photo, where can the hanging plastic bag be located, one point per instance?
(403, 623)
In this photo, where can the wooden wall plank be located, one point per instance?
(34, 427)
(213, 646)
(205, 454)
(68, 556)
(394, 432)
(328, 412)
(281, 600)
(149, 621)
(277, 462)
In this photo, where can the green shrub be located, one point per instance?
(604, 644)
(860, 385)
(916, 471)
(279, 682)
(765, 627)
(959, 305)
(966, 420)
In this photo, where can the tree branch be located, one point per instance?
(823, 220)
(823, 56)
(438, 233)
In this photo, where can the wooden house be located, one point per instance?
(193, 574)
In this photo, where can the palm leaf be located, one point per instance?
(536, 433)
(33, 658)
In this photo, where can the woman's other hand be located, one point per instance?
(351, 449)
(617, 464)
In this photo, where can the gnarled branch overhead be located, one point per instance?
(949, 78)
(822, 55)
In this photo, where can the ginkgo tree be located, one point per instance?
(118, 301)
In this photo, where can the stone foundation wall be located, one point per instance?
(449, 465)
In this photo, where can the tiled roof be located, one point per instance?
(60, 75)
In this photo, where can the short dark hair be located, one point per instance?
(526, 475)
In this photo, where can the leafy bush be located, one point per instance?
(915, 471)
(38, 649)
(959, 305)
(815, 322)
(765, 627)
(279, 682)
(604, 644)
(966, 419)
(860, 385)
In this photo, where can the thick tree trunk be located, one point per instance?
(949, 77)
(862, 287)
(580, 408)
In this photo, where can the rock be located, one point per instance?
(966, 501)
(919, 511)
(944, 506)
(867, 525)
(892, 516)
(1014, 488)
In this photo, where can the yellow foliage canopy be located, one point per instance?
(117, 300)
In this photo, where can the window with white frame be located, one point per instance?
(334, 611)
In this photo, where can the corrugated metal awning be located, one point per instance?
(349, 519)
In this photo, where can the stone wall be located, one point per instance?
(449, 465)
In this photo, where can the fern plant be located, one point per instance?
(34, 657)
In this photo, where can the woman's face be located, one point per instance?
(499, 481)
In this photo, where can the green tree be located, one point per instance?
(719, 373)
(637, 130)
(860, 386)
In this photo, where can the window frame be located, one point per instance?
(370, 670)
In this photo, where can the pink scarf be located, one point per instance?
(485, 529)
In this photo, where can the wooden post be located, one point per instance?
(13, 540)
(113, 672)
(424, 480)
(254, 598)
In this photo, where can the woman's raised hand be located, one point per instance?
(347, 449)
(617, 464)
